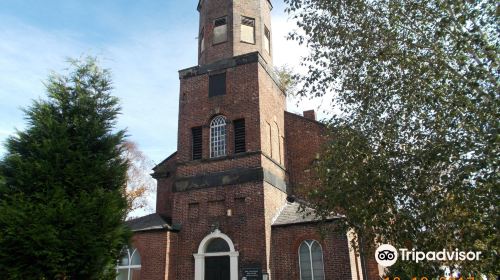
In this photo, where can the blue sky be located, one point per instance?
(143, 42)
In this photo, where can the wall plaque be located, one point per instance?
(252, 273)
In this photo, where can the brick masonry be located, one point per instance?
(301, 155)
(285, 245)
(154, 247)
(279, 144)
(233, 10)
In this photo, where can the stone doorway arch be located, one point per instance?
(215, 250)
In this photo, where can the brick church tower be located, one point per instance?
(230, 159)
(222, 211)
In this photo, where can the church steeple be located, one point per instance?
(230, 28)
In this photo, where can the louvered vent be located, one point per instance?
(248, 21)
(197, 142)
(239, 136)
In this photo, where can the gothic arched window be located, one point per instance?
(311, 261)
(218, 137)
(129, 264)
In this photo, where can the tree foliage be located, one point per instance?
(414, 156)
(285, 75)
(62, 205)
(139, 182)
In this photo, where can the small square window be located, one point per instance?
(248, 30)
(220, 30)
(217, 85)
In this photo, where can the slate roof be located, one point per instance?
(292, 214)
(150, 222)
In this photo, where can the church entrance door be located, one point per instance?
(217, 268)
(216, 258)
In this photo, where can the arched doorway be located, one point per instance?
(216, 258)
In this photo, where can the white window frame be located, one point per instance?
(309, 243)
(129, 267)
(218, 137)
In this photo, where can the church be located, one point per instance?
(225, 205)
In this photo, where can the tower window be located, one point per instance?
(239, 136)
(220, 30)
(217, 85)
(248, 30)
(202, 40)
(267, 40)
(218, 137)
(197, 142)
(311, 261)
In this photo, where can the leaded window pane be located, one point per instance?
(218, 137)
(317, 261)
(124, 258)
(311, 261)
(136, 258)
(135, 273)
(305, 262)
(129, 265)
(122, 274)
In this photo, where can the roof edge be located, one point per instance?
(306, 119)
(165, 160)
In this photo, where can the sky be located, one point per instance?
(143, 42)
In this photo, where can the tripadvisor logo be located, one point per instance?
(386, 255)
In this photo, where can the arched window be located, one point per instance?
(218, 137)
(129, 264)
(311, 261)
(217, 245)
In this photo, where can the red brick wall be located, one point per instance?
(261, 12)
(164, 190)
(285, 246)
(304, 140)
(274, 201)
(197, 109)
(234, 9)
(272, 109)
(211, 10)
(197, 210)
(153, 247)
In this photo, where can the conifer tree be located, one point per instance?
(62, 202)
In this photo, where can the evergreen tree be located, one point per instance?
(62, 202)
